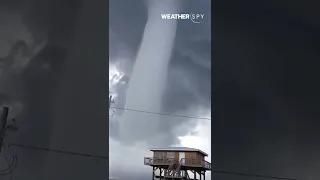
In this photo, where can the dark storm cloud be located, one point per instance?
(188, 77)
(265, 93)
(190, 65)
(85, 67)
(42, 81)
(127, 20)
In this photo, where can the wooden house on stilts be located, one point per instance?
(175, 163)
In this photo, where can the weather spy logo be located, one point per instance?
(195, 18)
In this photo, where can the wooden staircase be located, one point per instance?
(174, 172)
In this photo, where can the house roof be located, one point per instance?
(179, 149)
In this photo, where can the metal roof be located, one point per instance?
(178, 149)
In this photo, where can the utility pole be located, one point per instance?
(3, 125)
(110, 101)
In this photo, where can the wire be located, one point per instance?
(163, 114)
(8, 163)
(59, 151)
(106, 158)
(11, 166)
(251, 175)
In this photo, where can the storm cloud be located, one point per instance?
(51, 42)
(187, 91)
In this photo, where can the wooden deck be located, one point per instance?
(186, 164)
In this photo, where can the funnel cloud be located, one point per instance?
(157, 66)
(149, 76)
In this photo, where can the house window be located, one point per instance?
(170, 155)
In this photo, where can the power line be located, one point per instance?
(163, 114)
(106, 158)
(251, 175)
(8, 171)
(58, 151)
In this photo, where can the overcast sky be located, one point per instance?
(55, 78)
(187, 90)
(265, 91)
(60, 55)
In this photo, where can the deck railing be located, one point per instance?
(184, 162)
(158, 161)
(206, 164)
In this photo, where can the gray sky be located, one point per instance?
(266, 95)
(54, 76)
(75, 51)
(187, 91)
(265, 86)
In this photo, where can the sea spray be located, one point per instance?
(149, 75)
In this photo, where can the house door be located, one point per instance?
(182, 157)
